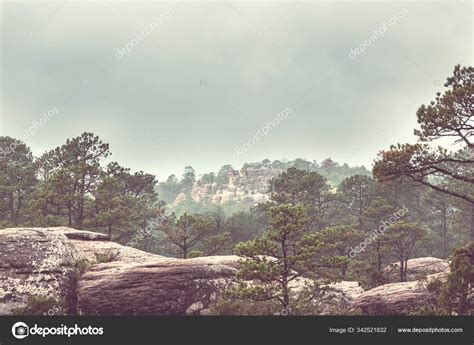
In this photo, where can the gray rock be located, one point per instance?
(398, 298)
(155, 287)
(36, 264)
(45, 262)
(91, 243)
(418, 268)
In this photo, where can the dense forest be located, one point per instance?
(327, 220)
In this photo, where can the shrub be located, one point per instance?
(41, 305)
(109, 256)
(195, 254)
(82, 265)
(457, 294)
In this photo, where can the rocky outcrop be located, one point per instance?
(245, 184)
(418, 268)
(64, 264)
(91, 244)
(48, 263)
(155, 287)
(179, 199)
(36, 263)
(398, 298)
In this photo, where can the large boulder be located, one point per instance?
(48, 263)
(155, 287)
(418, 268)
(398, 298)
(36, 264)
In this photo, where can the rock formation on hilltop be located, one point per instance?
(247, 183)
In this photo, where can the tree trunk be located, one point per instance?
(402, 270)
(472, 222)
(80, 217)
(379, 256)
(405, 269)
(69, 214)
(343, 271)
(286, 271)
(12, 206)
(185, 251)
(286, 296)
(17, 212)
(445, 234)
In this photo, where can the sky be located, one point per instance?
(170, 84)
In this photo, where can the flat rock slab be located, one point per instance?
(91, 243)
(396, 298)
(418, 268)
(155, 287)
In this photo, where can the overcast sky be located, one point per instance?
(209, 76)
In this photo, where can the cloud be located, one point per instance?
(255, 58)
